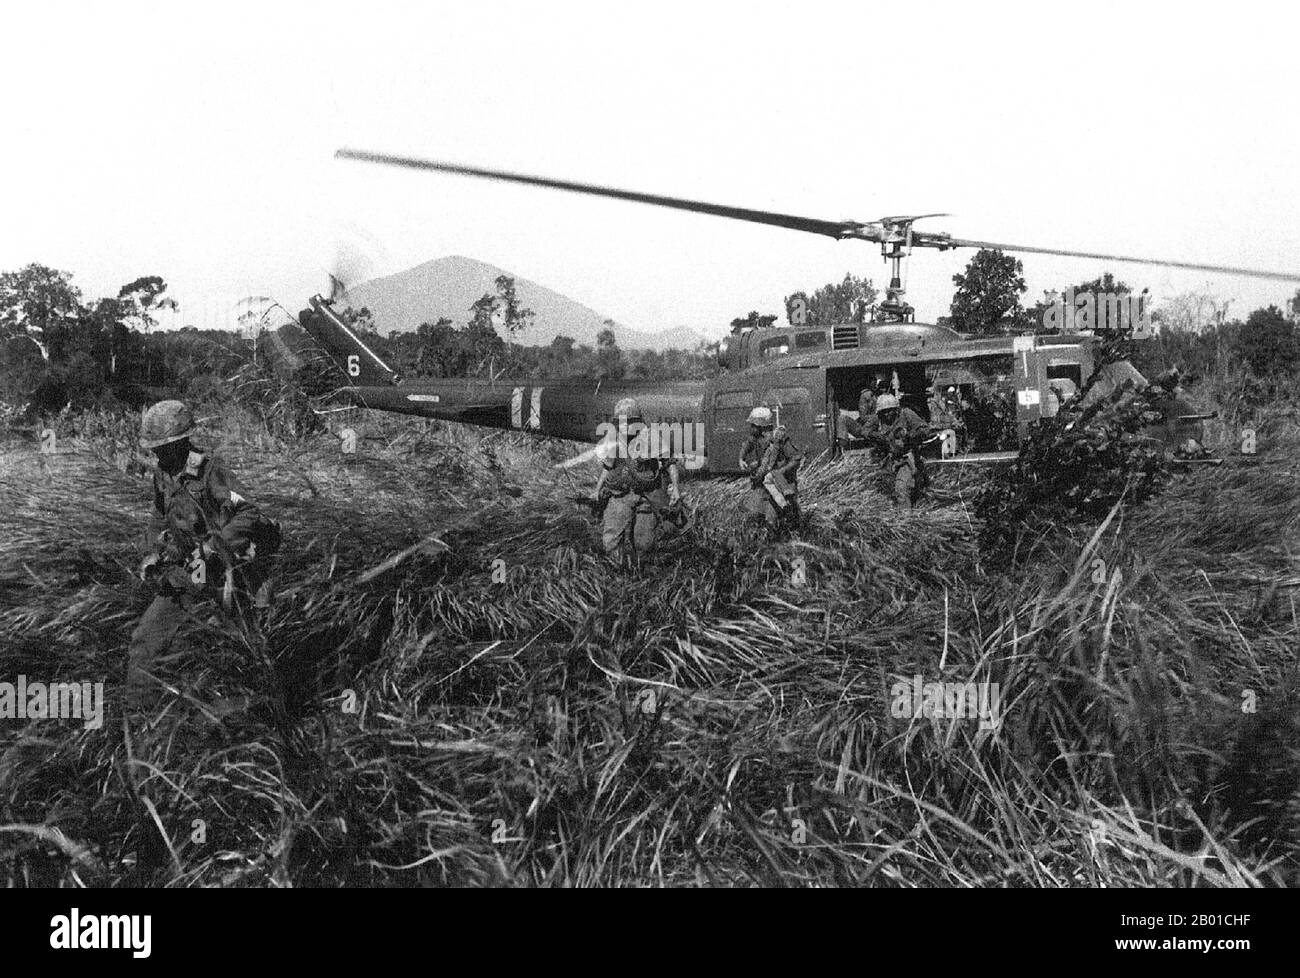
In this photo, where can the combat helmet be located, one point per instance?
(761, 417)
(165, 422)
(628, 408)
(884, 402)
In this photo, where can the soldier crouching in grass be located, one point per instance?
(209, 537)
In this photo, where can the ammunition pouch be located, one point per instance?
(617, 483)
(647, 480)
(627, 478)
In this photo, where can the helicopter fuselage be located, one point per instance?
(811, 376)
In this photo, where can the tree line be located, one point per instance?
(58, 347)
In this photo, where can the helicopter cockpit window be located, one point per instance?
(787, 395)
(791, 405)
(777, 347)
(810, 341)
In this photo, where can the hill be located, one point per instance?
(450, 286)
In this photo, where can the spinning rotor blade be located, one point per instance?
(835, 229)
(876, 231)
(357, 256)
(1129, 259)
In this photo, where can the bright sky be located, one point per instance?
(196, 142)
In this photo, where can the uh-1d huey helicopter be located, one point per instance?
(810, 374)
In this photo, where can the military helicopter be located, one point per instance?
(811, 375)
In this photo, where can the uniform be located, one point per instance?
(635, 489)
(899, 440)
(772, 461)
(948, 413)
(866, 422)
(207, 537)
(866, 404)
(864, 426)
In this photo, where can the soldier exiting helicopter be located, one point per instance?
(772, 461)
(899, 432)
(639, 489)
(866, 421)
(948, 413)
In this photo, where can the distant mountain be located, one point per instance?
(450, 286)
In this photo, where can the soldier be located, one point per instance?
(1060, 391)
(772, 461)
(866, 422)
(207, 535)
(866, 404)
(639, 487)
(900, 432)
(948, 413)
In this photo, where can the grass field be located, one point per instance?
(724, 717)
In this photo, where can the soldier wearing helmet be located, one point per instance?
(772, 461)
(948, 413)
(208, 536)
(639, 488)
(899, 433)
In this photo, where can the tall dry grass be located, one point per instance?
(722, 717)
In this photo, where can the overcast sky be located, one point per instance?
(196, 142)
